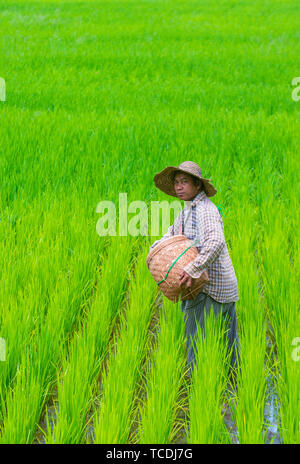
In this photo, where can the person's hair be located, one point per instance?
(195, 180)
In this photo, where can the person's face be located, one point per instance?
(185, 188)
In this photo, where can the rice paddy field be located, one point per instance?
(99, 96)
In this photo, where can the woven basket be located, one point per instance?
(159, 262)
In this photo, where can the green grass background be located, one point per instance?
(100, 95)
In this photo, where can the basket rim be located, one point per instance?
(164, 243)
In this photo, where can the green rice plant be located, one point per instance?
(24, 405)
(37, 325)
(114, 417)
(248, 407)
(289, 365)
(35, 373)
(82, 361)
(30, 280)
(208, 382)
(94, 121)
(41, 356)
(280, 267)
(163, 378)
(23, 303)
(288, 387)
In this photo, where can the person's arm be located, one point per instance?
(211, 243)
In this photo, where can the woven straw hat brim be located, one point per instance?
(164, 181)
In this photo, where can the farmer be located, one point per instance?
(201, 220)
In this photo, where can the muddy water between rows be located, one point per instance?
(271, 417)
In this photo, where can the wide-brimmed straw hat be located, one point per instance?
(164, 180)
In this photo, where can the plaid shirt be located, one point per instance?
(200, 220)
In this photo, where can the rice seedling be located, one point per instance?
(282, 297)
(113, 419)
(208, 381)
(44, 300)
(163, 378)
(24, 405)
(248, 407)
(82, 362)
(47, 330)
(96, 106)
(35, 373)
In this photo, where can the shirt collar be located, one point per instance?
(200, 196)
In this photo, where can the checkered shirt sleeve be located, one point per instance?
(212, 248)
(212, 241)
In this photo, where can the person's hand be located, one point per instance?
(185, 280)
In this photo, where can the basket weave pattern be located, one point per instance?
(161, 258)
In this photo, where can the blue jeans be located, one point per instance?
(195, 310)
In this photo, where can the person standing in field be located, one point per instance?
(201, 220)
